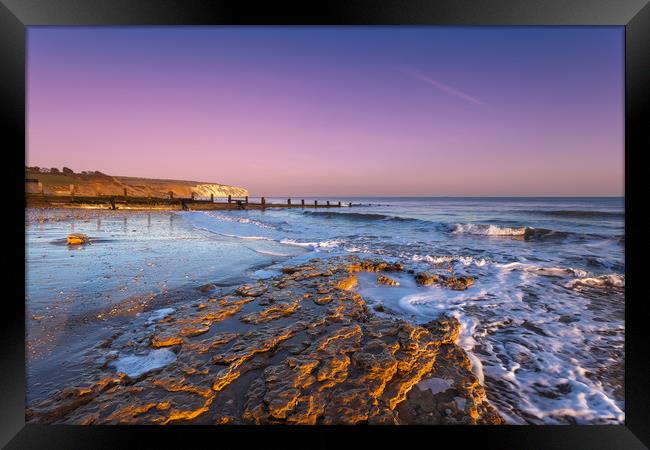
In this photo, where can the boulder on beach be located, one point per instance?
(78, 239)
(457, 283)
(207, 287)
(388, 281)
(426, 278)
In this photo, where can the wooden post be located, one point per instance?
(247, 199)
(192, 195)
(302, 202)
(212, 198)
(315, 202)
(230, 199)
(171, 194)
(263, 201)
(339, 204)
(124, 193)
(113, 202)
(289, 201)
(328, 203)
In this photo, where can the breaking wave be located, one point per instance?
(527, 233)
(322, 244)
(603, 281)
(445, 260)
(489, 230)
(546, 271)
(243, 220)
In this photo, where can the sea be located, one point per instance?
(543, 322)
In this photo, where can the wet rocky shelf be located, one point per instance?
(299, 348)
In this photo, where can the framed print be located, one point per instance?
(415, 219)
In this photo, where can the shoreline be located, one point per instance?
(136, 235)
(302, 347)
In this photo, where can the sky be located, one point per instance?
(340, 111)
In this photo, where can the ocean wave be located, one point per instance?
(231, 226)
(488, 230)
(603, 281)
(244, 220)
(237, 236)
(527, 233)
(576, 213)
(323, 244)
(464, 260)
(546, 271)
(270, 253)
(358, 216)
(241, 229)
(530, 339)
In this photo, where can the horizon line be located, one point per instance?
(444, 196)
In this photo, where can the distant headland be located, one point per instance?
(96, 190)
(95, 184)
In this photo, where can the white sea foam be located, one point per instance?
(464, 260)
(250, 229)
(134, 365)
(558, 272)
(535, 344)
(488, 230)
(323, 244)
(159, 314)
(467, 341)
(612, 280)
(231, 226)
(243, 220)
(271, 252)
(299, 244)
(512, 346)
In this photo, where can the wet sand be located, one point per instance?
(135, 262)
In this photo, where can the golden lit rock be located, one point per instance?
(388, 281)
(299, 349)
(78, 239)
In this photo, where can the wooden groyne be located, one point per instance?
(171, 203)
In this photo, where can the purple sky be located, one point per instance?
(335, 110)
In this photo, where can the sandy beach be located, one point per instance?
(197, 353)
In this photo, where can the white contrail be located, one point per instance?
(443, 87)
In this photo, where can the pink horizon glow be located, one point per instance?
(334, 111)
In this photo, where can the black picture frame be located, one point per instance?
(16, 15)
